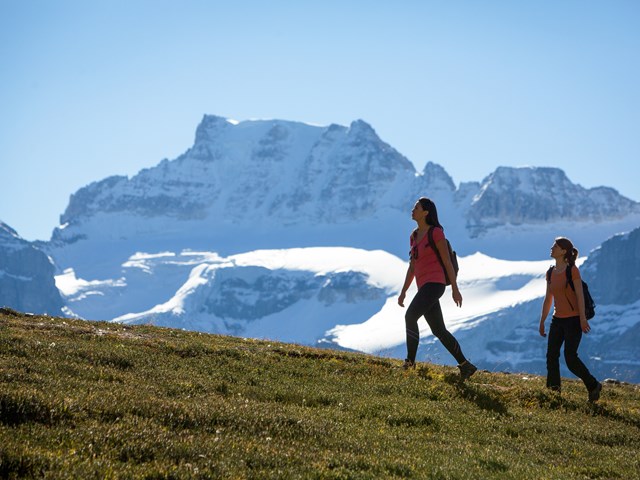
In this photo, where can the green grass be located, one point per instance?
(98, 400)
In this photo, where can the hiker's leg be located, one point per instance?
(413, 313)
(420, 305)
(554, 343)
(436, 323)
(573, 335)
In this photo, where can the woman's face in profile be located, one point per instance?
(418, 212)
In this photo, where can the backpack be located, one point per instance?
(452, 256)
(589, 304)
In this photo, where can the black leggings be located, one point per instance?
(426, 302)
(567, 331)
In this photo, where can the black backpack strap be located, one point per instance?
(570, 283)
(432, 244)
(569, 279)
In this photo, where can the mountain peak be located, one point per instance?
(522, 175)
(7, 231)
(360, 127)
(210, 126)
(436, 176)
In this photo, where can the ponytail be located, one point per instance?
(571, 252)
(574, 256)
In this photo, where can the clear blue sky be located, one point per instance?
(90, 89)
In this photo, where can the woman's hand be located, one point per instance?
(457, 296)
(401, 299)
(584, 324)
(542, 332)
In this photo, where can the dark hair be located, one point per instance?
(428, 205)
(571, 253)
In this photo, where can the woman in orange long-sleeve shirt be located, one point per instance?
(569, 320)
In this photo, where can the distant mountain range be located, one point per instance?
(246, 233)
(321, 184)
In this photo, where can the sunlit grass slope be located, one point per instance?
(98, 400)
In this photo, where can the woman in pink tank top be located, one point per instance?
(429, 273)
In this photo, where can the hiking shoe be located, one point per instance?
(466, 370)
(594, 395)
(408, 364)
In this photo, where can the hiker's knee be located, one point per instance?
(439, 330)
(410, 319)
(571, 358)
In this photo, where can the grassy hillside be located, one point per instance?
(97, 400)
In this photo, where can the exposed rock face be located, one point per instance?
(250, 293)
(26, 276)
(538, 195)
(613, 270)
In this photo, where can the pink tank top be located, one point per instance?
(426, 266)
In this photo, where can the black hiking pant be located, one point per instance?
(567, 331)
(427, 303)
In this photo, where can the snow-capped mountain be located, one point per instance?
(278, 184)
(26, 276)
(256, 172)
